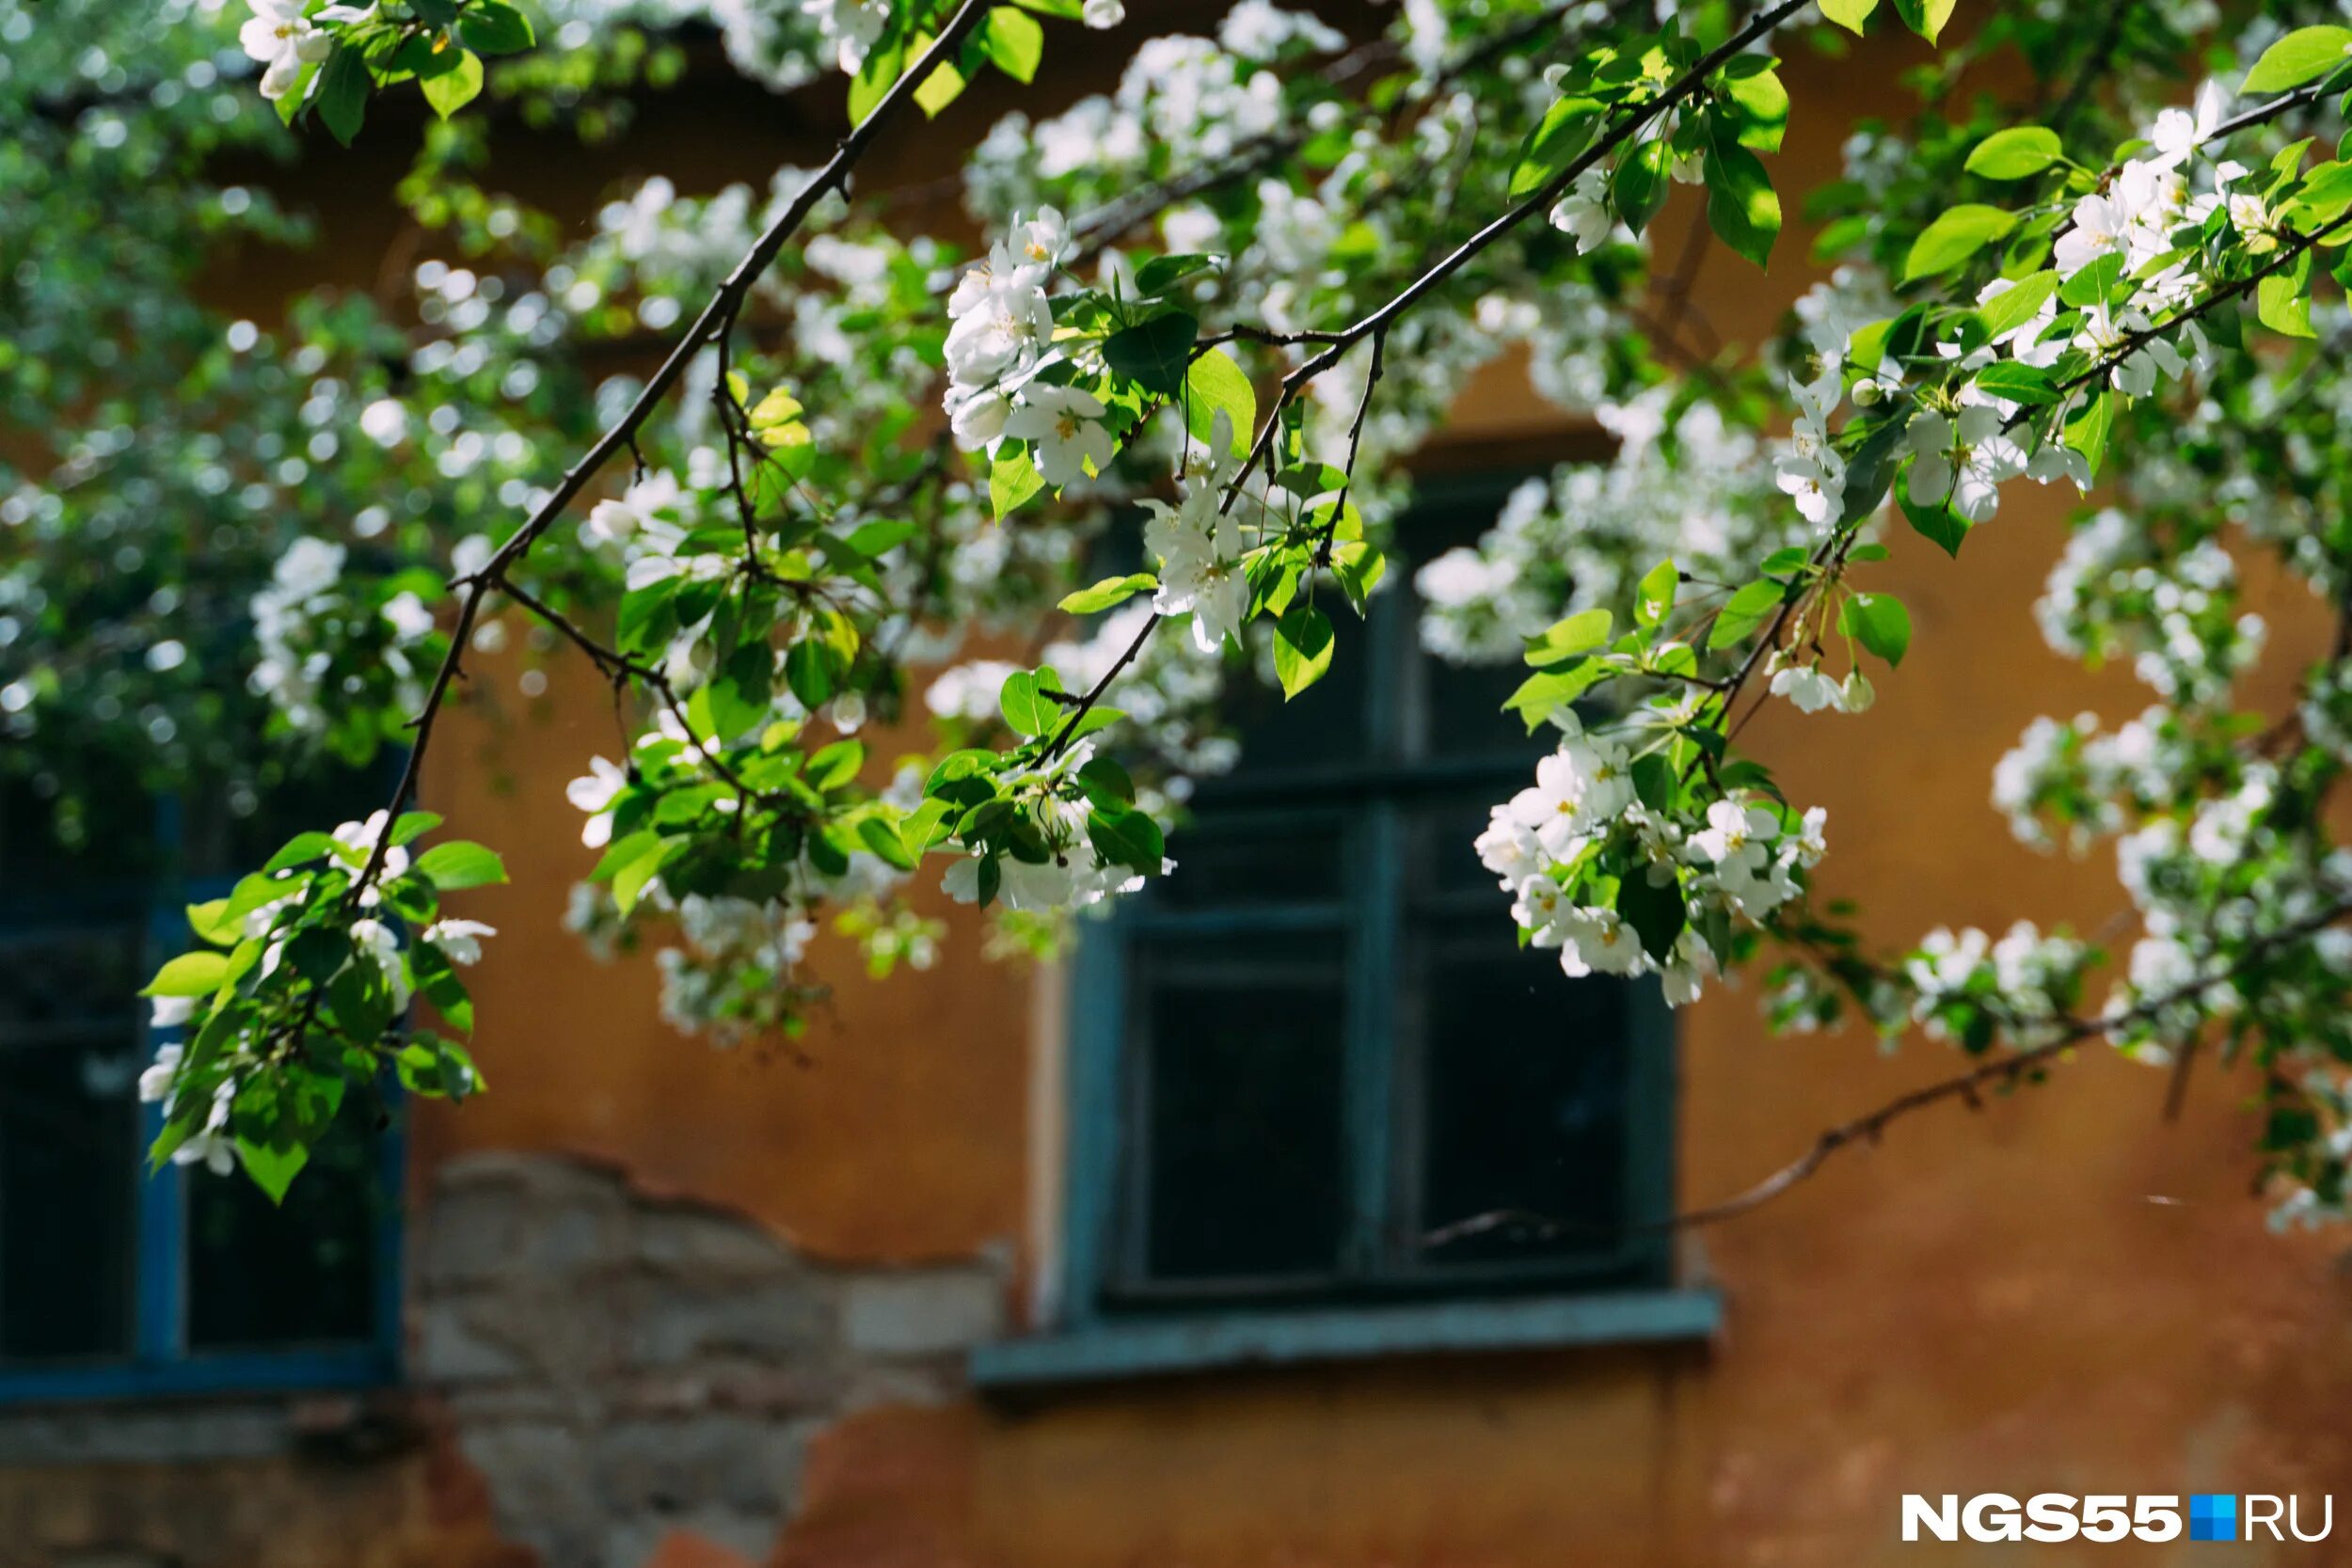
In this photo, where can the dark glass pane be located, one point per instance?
(1464, 712)
(1240, 1056)
(71, 1048)
(1441, 858)
(1223, 860)
(1320, 731)
(264, 1275)
(1524, 1074)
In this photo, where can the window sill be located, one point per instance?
(1105, 1352)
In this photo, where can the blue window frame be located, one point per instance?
(118, 1283)
(1299, 1061)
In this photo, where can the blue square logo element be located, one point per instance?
(2212, 1516)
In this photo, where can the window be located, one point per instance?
(114, 1282)
(1302, 1058)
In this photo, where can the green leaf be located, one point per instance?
(1655, 912)
(1110, 592)
(880, 537)
(273, 1170)
(630, 880)
(942, 87)
(1153, 354)
(1013, 42)
(1547, 691)
(1924, 17)
(1654, 598)
(1848, 14)
(2088, 430)
(2017, 152)
(2283, 299)
(302, 847)
(1639, 187)
(1012, 478)
(1555, 142)
(1742, 206)
(2013, 307)
(1746, 610)
(1163, 273)
(886, 842)
(1564, 640)
(874, 79)
(808, 671)
(1957, 233)
(1879, 622)
(189, 975)
(1216, 383)
(460, 862)
(1024, 702)
(2298, 57)
(1759, 101)
(213, 921)
(2018, 382)
(836, 764)
(1128, 838)
(1938, 524)
(1302, 649)
(343, 92)
(452, 90)
(495, 27)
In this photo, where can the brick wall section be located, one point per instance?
(618, 1367)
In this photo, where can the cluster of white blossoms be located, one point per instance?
(2117, 590)
(1199, 543)
(296, 629)
(1073, 875)
(2030, 977)
(1741, 859)
(1697, 492)
(1000, 338)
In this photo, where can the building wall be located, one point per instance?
(683, 1305)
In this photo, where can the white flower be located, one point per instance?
(850, 25)
(2179, 132)
(594, 793)
(1044, 240)
(1810, 470)
(460, 939)
(1102, 14)
(1960, 462)
(155, 1082)
(1064, 428)
(361, 839)
(1737, 838)
(1538, 907)
(212, 1144)
(1596, 941)
(999, 318)
(374, 940)
(411, 622)
(282, 40)
(1856, 693)
(1812, 840)
(977, 415)
(1807, 686)
(1199, 549)
(1509, 847)
(169, 1012)
(1584, 782)
(1583, 213)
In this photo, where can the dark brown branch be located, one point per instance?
(713, 324)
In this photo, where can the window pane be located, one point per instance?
(1523, 1104)
(264, 1275)
(1239, 1105)
(70, 1056)
(1227, 861)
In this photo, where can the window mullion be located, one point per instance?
(160, 1276)
(1375, 950)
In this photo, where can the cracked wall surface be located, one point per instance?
(619, 1367)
